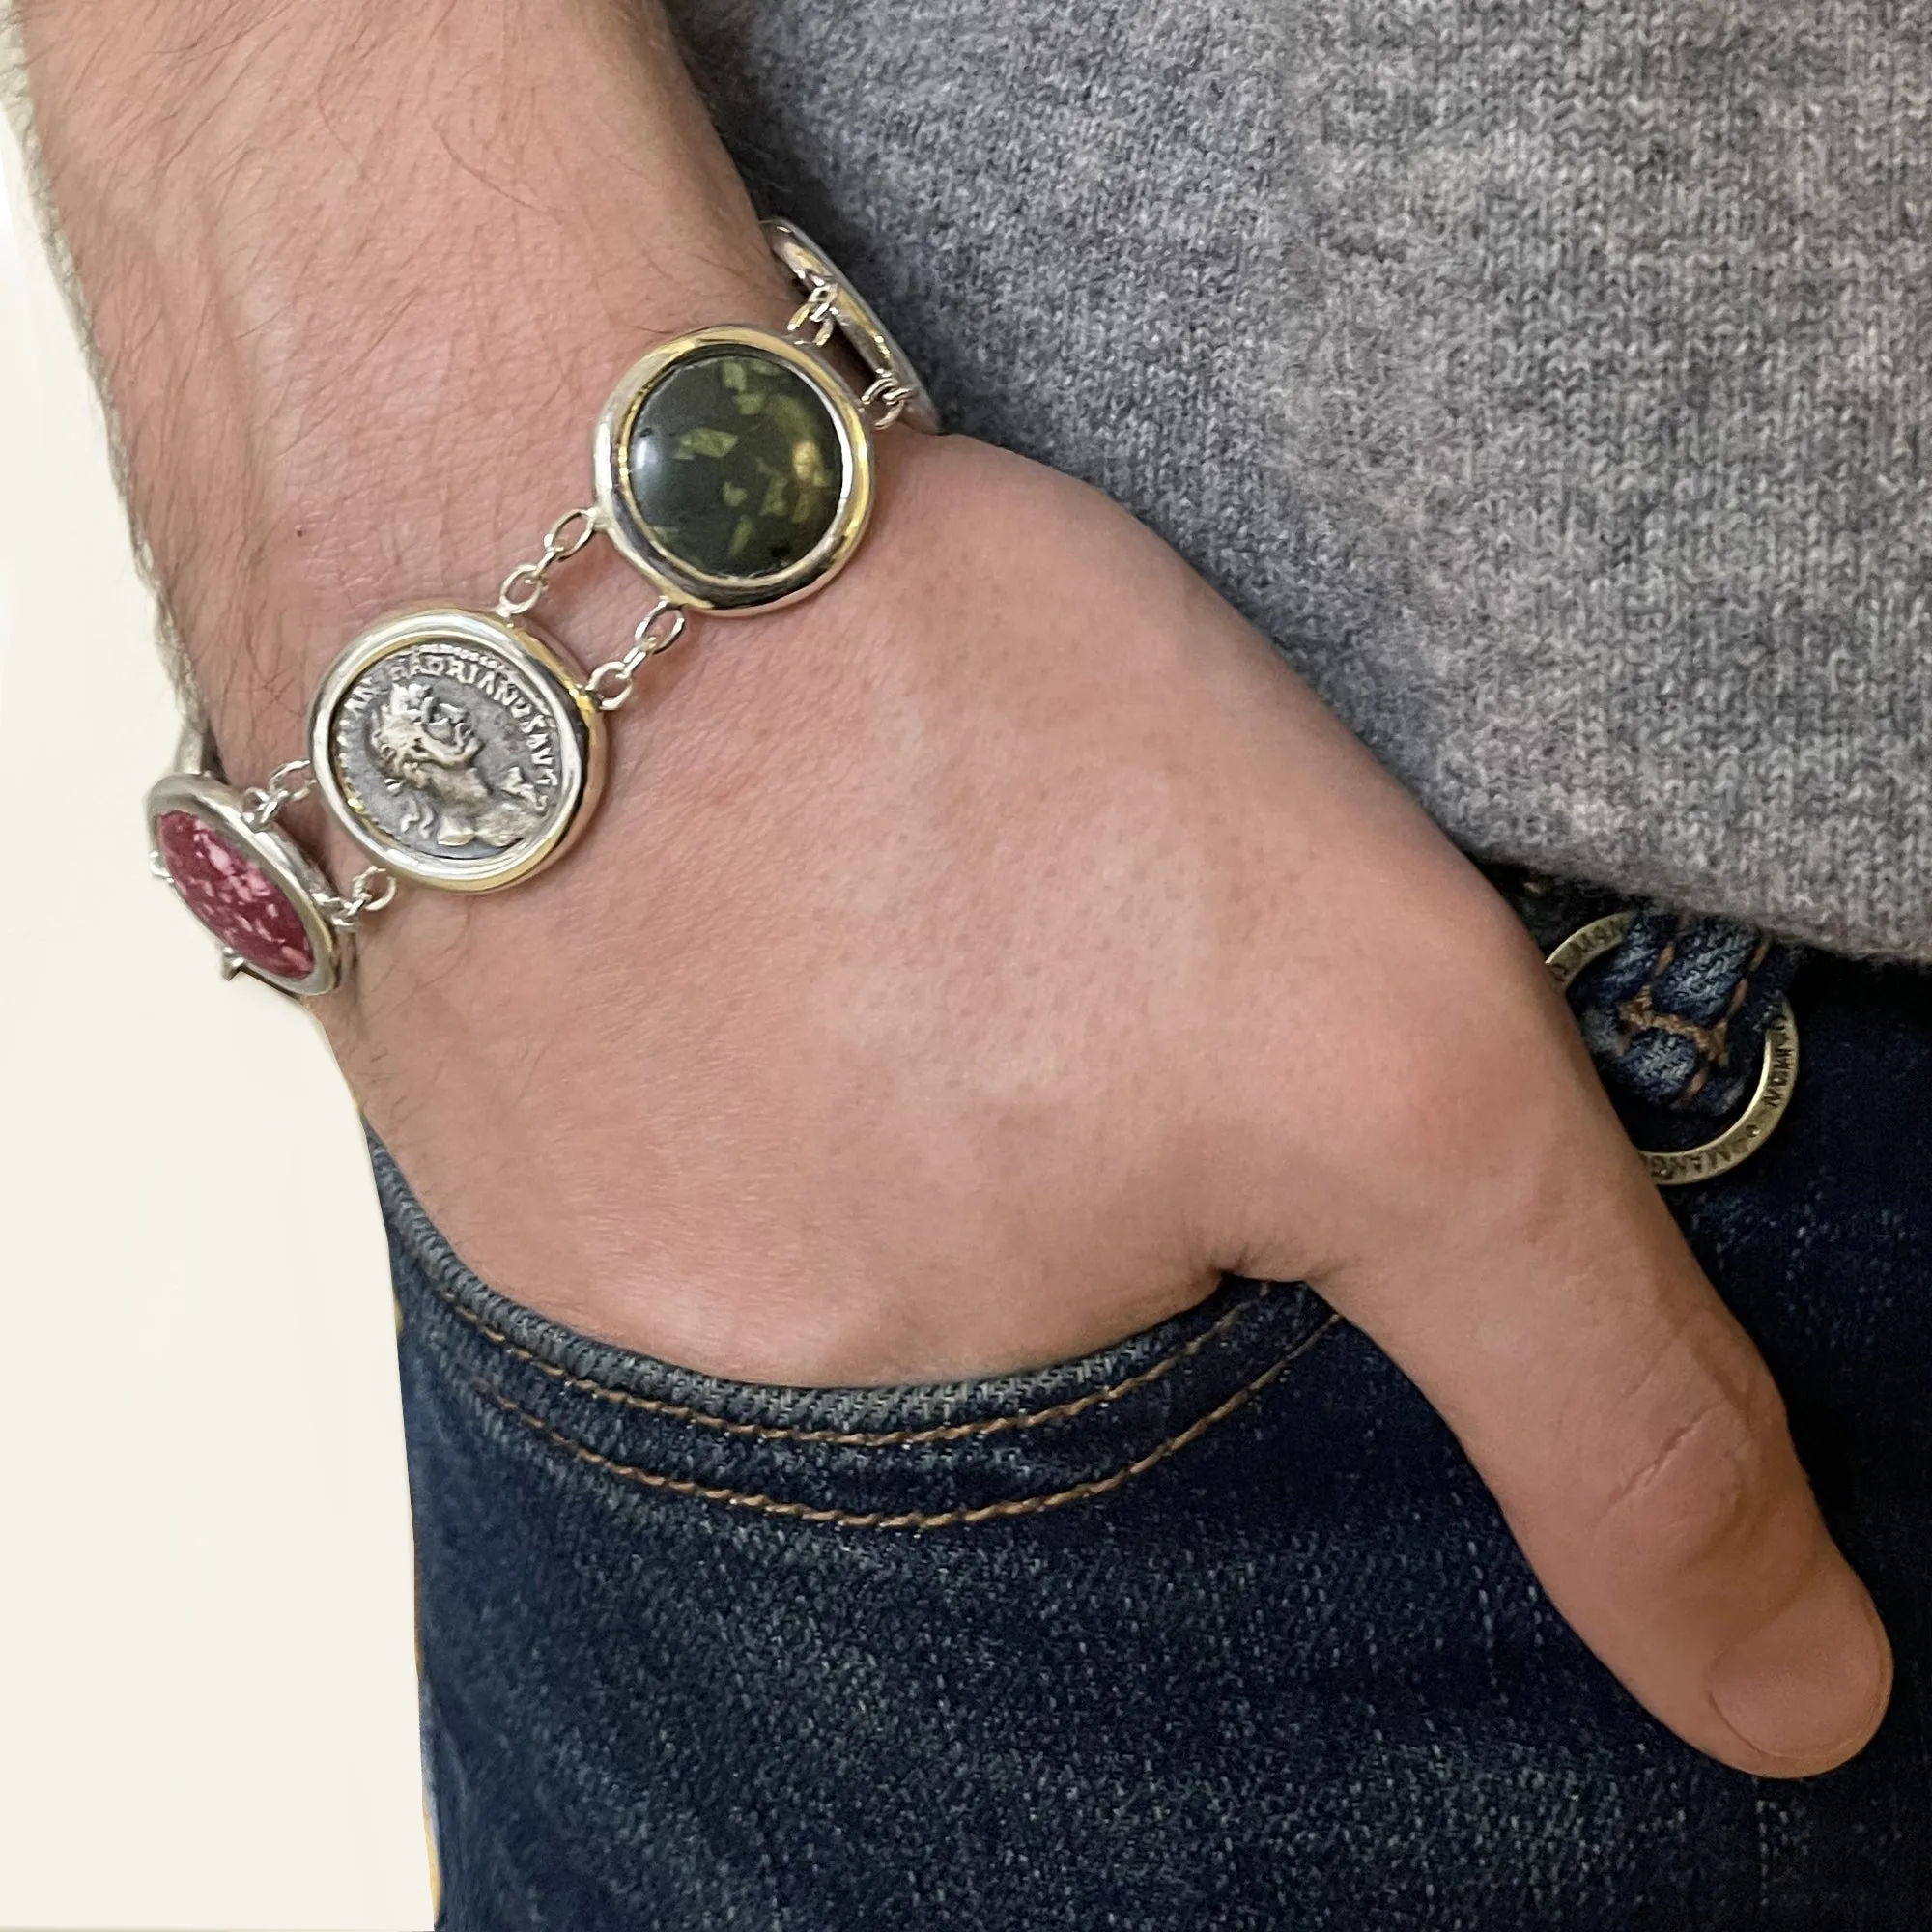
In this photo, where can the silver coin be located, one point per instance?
(453, 747)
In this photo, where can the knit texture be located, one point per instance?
(1550, 379)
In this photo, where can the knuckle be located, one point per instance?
(1701, 1488)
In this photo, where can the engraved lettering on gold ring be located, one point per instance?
(1769, 1098)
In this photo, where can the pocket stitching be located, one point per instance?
(951, 1519)
(881, 1439)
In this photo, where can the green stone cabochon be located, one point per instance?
(736, 465)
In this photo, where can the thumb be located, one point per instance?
(1633, 1436)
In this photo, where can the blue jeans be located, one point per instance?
(1215, 1629)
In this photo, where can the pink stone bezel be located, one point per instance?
(292, 872)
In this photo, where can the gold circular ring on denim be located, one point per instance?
(1762, 1112)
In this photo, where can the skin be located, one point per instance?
(968, 964)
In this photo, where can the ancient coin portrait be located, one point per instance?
(449, 751)
(427, 750)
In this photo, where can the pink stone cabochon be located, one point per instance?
(232, 897)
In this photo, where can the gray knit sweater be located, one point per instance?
(1551, 379)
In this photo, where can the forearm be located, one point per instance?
(359, 279)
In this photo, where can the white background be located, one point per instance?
(207, 1691)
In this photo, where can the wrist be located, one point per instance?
(335, 408)
(748, 698)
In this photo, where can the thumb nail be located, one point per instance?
(1809, 1687)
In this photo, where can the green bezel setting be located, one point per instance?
(784, 469)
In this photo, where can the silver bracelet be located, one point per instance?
(462, 750)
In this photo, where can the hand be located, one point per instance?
(969, 964)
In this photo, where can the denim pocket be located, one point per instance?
(925, 1457)
(1214, 1627)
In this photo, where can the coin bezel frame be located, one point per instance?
(581, 735)
(624, 523)
(277, 857)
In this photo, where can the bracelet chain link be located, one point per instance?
(526, 583)
(611, 684)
